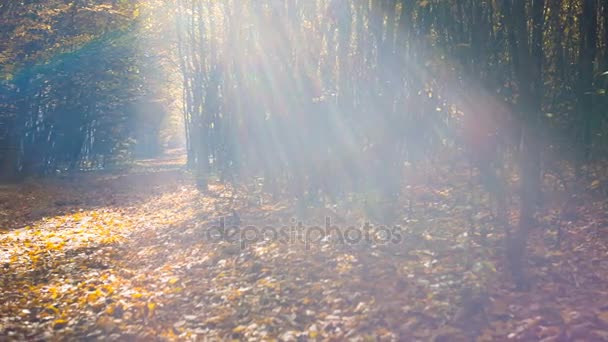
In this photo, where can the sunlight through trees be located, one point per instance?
(477, 130)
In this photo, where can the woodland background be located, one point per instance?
(490, 112)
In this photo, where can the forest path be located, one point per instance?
(132, 256)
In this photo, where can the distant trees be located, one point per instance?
(381, 67)
(70, 72)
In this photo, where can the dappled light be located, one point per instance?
(303, 170)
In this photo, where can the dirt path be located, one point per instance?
(134, 256)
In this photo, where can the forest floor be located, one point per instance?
(129, 256)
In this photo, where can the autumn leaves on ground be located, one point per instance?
(128, 256)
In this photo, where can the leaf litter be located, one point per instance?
(128, 257)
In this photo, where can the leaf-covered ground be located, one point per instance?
(128, 256)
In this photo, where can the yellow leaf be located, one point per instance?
(169, 334)
(50, 246)
(151, 308)
(108, 289)
(110, 310)
(177, 290)
(59, 323)
(53, 309)
(92, 297)
(234, 295)
(595, 184)
(173, 280)
(54, 292)
(136, 295)
(239, 329)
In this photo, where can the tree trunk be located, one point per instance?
(528, 74)
(587, 51)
